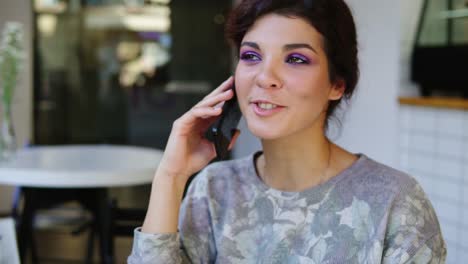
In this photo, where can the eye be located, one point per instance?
(297, 59)
(250, 56)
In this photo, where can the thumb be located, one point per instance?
(234, 139)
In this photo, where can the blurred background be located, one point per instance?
(121, 71)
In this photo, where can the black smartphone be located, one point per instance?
(223, 129)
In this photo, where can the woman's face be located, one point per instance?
(282, 79)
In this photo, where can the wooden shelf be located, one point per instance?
(436, 102)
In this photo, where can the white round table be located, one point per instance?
(81, 166)
(49, 175)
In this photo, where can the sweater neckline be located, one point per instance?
(352, 169)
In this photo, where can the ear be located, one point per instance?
(337, 90)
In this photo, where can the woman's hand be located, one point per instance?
(187, 151)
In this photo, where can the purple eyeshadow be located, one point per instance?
(299, 56)
(248, 56)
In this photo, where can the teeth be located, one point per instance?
(267, 106)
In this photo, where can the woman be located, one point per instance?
(302, 199)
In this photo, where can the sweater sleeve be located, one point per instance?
(413, 233)
(194, 243)
(156, 248)
(427, 254)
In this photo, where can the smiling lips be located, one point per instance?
(265, 108)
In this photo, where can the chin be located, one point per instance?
(264, 132)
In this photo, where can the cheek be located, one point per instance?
(310, 95)
(242, 89)
(240, 81)
(304, 89)
(311, 86)
(244, 74)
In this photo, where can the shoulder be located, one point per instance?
(223, 175)
(406, 190)
(227, 170)
(392, 194)
(410, 220)
(223, 169)
(371, 176)
(408, 198)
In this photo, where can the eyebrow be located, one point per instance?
(286, 47)
(298, 46)
(250, 44)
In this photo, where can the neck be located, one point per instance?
(295, 164)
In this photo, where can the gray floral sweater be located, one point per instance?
(369, 213)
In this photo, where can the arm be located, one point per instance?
(433, 252)
(158, 240)
(413, 232)
(193, 244)
(186, 153)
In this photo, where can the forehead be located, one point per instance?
(277, 29)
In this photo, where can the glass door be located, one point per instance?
(121, 71)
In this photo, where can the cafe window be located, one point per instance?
(121, 71)
(440, 53)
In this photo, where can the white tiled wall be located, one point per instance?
(434, 149)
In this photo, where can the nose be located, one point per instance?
(268, 75)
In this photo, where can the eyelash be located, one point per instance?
(249, 57)
(303, 59)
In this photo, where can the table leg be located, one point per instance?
(90, 247)
(26, 226)
(103, 226)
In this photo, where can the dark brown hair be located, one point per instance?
(331, 18)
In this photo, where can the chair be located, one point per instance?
(8, 247)
(125, 220)
(91, 199)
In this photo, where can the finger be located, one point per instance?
(222, 87)
(234, 139)
(216, 100)
(209, 148)
(220, 105)
(193, 114)
(205, 112)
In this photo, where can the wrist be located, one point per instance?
(170, 180)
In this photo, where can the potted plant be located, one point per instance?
(11, 58)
